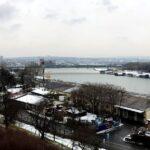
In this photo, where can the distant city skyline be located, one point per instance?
(74, 28)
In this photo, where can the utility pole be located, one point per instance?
(43, 74)
(42, 63)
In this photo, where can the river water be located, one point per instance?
(85, 75)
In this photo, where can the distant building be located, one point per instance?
(1, 60)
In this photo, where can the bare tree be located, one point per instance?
(11, 109)
(40, 122)
(27, 75)
(97, 96)
(86, 137)
(6, 79)
(55, 118)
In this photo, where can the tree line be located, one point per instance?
(139, 66)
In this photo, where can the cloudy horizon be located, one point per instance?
(76, 28)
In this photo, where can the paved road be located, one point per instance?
(116, 142)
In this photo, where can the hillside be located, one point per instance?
(11, 139)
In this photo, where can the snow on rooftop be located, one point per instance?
(73, 110)
(130, 109)
(131, 72)
(146, 73)
(18, 85)
(89, 117)
(41, 91)
(30, 99)
(14, 90)
(136, 73)
(101, 69)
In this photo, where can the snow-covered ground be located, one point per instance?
(66, 142)
(89, 117)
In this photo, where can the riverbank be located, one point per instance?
(59, 85)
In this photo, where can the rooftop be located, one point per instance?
(75, 111)
(89, 117)
(130, 109)
(40, 91)
(30, 99)
(135, 103)
(14, 90)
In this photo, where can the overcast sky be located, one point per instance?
(80, 28)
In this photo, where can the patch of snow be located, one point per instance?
(75, 111)
(40, 77)
(41, 91)
(71, 89)
(134, 73)
(147, 133)
(14, 90)
(130, 109)
(89, 117)
(66, 142)
(30, 99)
(100, 69)
(19, 85)
(127, 137)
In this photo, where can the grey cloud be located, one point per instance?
(51, 15)
(7, 11)
(108, 4)
(15, 27)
